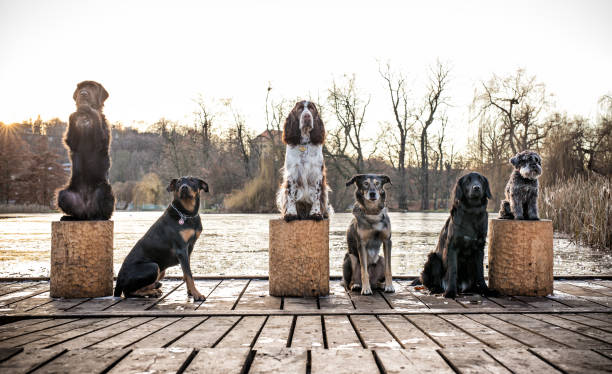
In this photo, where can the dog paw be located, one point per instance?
(451, 294)
(156, 293)
(389, 288)
(158, 284)
(198, 297)
(290, 217)
(356, 287)
(490, 293)
(316, 217)
(366, 290)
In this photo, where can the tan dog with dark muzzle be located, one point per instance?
(363, 268)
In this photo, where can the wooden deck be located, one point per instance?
(240, 329)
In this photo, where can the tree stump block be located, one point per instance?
(299, 258)
(521, 257)
(81, 259)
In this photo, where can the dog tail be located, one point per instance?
(504, 210)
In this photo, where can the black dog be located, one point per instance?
(363, 268)
(168, 242)
(88, 196)
(457, 263)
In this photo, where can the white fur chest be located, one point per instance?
(303, 164)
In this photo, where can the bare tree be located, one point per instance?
(240, 138)
(204, 120)
(345, 144)
(515, 103)
(425, 116)
(404, 125)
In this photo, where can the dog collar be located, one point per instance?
(182, 216)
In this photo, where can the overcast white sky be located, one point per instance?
(154, 58)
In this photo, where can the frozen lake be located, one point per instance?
(237, 244)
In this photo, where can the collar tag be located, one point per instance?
(302, 148)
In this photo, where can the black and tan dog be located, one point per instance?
(363, 268)
(456, 265)
(168, 242)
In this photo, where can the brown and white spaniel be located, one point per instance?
(303, 194)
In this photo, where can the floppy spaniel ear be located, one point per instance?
(202, 185)
(514, 161)
(291, 130)
(172, 186)
(354, 179)
(102, 95)
(458, 190)
(317, 134)
(385, 179)
(487, 189)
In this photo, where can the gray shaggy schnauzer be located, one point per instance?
(522, 189)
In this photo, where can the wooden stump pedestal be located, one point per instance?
(81, 259)
(521, 257)
(299, 258)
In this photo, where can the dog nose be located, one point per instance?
(372, 195)
(83, 93)
(476, 188)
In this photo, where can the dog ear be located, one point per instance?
(385, 179)
(514, 161)
(172, 186)
(291, 130)
(487, 189)
(317, 134)
(103, 95)
(203, 185)
(458, 190)
(354, 179)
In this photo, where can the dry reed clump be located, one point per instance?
(258, 194)
(581, 207)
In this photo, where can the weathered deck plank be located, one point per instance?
(167, 335)
(256, 297)
(413, 361)
(116, 327)
(575, 361)
(341, 361)
(445, 334)
(207, 334)
(225, 296)
(29, 359)
(243, 334)
(308, 332)
(521, 361)
(406, 333)
(157, 360)
(340, 333)
(83, 361)
(275, 333)
(524, 336)
(490, 337)
(373, 333)
(279, 360)
(473, 361)
(218, 360)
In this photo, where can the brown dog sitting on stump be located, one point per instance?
(88, 196)
(522, 189)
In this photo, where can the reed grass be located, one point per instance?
(580, 207)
